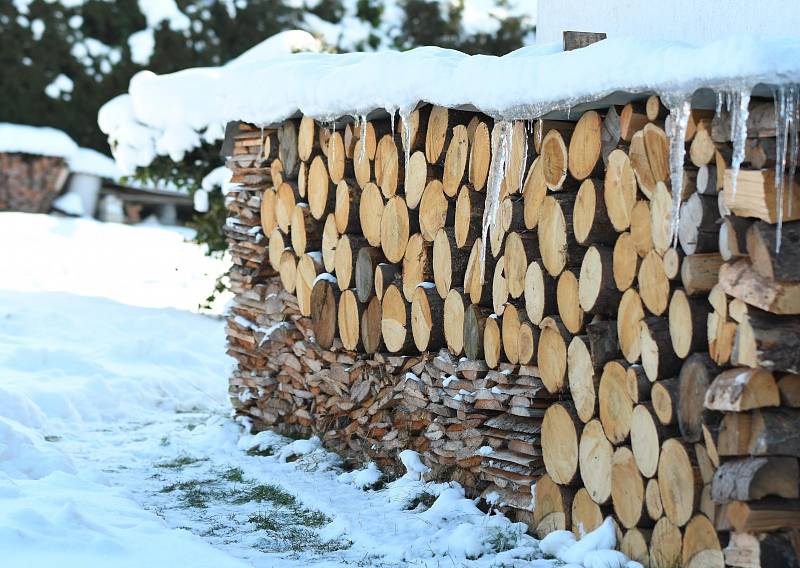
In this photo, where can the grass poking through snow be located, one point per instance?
(224, 505)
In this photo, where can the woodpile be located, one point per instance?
(589, 358)
(30, 183)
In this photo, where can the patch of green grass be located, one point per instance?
(52, 438)
(299, 539)
(164, 442)
(266, 492)
(263, 452)
(181, 462)
(263, 522)
(184, 485)
(309, 518)
(234, 475)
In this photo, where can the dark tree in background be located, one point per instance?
(87, 43)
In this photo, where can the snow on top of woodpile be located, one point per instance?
(171, 114)
(46, 141)
(36, 140)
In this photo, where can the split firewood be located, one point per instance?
(534, 191)
(632, 119)
(439, 132)
(367, 262)
(396, 320)
(625, 262)
(619, 190)
(348, 318)
(615, 404)
(557, 244)
(583, 381)
(629, 315)
(396, 227)
(324, 300)
(453, 321)
(590, 221)
(552, 354)
(737, 390)
(585, 145)
(665, 544)
(370, 214)
(388, 165)
(427, 311)
(561, 430)
(679, 482)
(468, 217)
(688, 317)
(756, 196)
(595, 456)
(435, 210)
(480, 156)
(627, 489)
(345, 259)
(540, 293)
(417, 264)
(697, 373)
(455, 162)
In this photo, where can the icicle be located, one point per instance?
(793, 139)
(540, 134)
(740, 101)
(332, 147)
(718, 107)
(363, 120)
(679, 105)
(786, 106)
(406, 141)
(391, 119)
(501, 149)
(522, 164)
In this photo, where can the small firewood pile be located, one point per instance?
(528, 315)
(30, 183)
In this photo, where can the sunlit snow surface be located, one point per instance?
(117, 448)
(163, 114)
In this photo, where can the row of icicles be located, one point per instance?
(735, 102)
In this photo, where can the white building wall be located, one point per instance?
(690, 21)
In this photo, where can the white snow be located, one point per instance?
(147, 267)
(37, 29)
(142, 44)
(46, 141)
(485, 450)
(38, 140)
(218, 177)
(161, 113)
(200, 201)
(69, 203)
(92, 162)
(362, 478)
(117, 447)
(136, 141)
(157, 11)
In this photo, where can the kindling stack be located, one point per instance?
(518, 302)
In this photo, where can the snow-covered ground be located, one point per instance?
(117, 447)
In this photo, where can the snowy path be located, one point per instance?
(117, 448)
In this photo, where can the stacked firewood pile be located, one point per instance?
(30, 183)
(516, 302)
